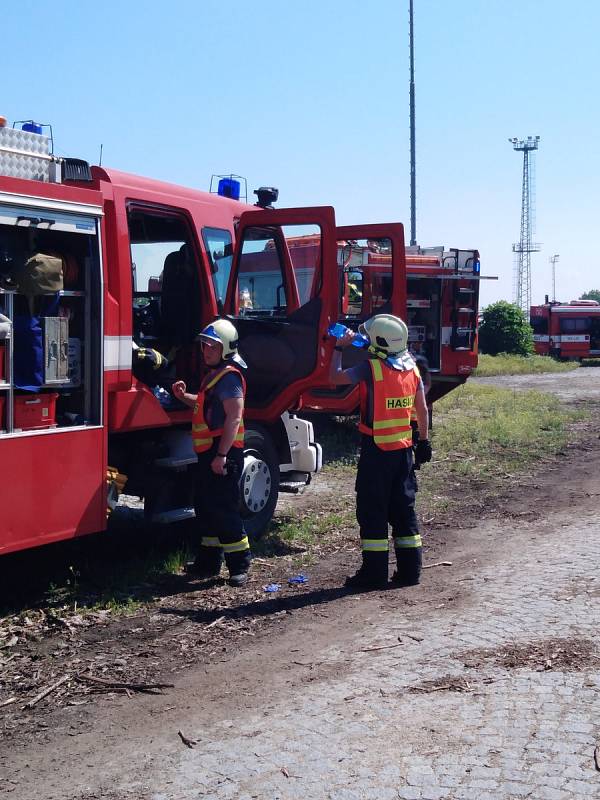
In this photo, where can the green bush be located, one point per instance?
(505, 329)
(593, 294)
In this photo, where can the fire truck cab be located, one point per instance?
(95, 263)
(567, 330)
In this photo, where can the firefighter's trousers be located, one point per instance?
(385, 495)
(217, 507)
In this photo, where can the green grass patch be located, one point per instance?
(293, 534)
(506, 364)
(486, 438)
(339, 438)
(484, 430)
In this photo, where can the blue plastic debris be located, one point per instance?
(272, 587)
(298, 579)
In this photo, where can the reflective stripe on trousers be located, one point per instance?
(237, 547)
(374, 545)
(407, 542)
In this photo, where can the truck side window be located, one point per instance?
(261, 282)
(574, 325)
(262, 285)
(165, 283)
(304, 245)
(219, 247)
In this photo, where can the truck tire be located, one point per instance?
(259, 483)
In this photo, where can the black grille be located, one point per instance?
(74, 169)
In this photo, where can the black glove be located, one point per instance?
(151, 356)
(422, 452)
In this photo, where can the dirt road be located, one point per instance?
(483, 682)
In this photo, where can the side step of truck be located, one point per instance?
(171, 515)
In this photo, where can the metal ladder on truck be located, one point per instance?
(465, 298)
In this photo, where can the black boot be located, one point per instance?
(238, 565)
(409, 561)
(364, 580)
(373, 573)
(207, 564)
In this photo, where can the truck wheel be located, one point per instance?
(259, 483)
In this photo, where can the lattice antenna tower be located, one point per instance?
(525, 246)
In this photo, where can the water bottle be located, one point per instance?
(163, 397)
(338, 330)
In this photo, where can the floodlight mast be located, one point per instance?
(413, 167)
(525, 247)
(553, 259)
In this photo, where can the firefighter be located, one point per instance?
(218, 439)
(390, 387)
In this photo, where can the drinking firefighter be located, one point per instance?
(390, 388)
(218, 439)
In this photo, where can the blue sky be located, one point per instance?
(312, 97)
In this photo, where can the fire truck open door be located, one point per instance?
(52, 441)
(371, 279)
(371, 271)
(282, 299)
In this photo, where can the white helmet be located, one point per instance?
(387, 333)
(224, 333)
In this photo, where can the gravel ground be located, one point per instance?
(581, 384)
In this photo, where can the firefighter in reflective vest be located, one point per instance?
(390, 387)
(218, 439)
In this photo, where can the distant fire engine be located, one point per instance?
(567, 330)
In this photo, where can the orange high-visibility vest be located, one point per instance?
(202, 436)
(392, 402)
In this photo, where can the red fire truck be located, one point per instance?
(435, 290)
(567, 330)
(144, 264)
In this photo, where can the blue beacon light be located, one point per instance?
(228, 187)
(32, 127)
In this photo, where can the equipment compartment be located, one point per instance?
(55, 318)
(423, 308)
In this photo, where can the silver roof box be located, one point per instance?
(27, 155)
